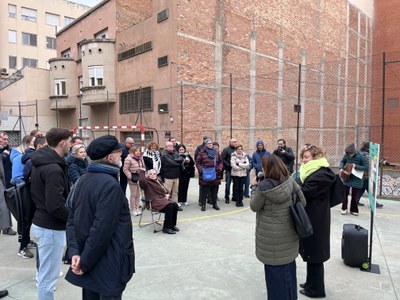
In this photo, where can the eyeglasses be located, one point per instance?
(152, 174)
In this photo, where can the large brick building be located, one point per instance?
(166, 49)
(386, 40)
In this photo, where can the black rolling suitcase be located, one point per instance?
(354, 245)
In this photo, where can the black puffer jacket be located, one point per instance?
(99, 229)
(76, 167)
(50, 188)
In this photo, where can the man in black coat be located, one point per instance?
(286, 154)
(226, 159)
(49, 190)
(171, 163)
(99, 228)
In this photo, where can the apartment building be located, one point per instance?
(28, 31)
(27, 41)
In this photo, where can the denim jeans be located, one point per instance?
(50, 245)
(281, 281)
(228, 180)
(246, 190)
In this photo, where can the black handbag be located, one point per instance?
(301, 221)
(135, 177)
(337, 195)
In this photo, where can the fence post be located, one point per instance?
(383, 119)
(297, 109)
(230, 99)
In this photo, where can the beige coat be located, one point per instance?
(239, 164)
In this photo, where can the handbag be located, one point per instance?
(301, 221)
(337, 194)
(135, 177)
(209, 173)
(347, 168)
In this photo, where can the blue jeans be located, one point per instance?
(281, 281)
(246, 190)
(50, 245)
(228, 180)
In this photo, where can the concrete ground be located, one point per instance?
(212, 257)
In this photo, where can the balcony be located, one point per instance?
(62, 102)
(96, 95)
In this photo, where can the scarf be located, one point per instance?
(312, 166)
(211, 152)
(101, 167)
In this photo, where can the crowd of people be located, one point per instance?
(71, 203)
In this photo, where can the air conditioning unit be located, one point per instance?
(4, 71)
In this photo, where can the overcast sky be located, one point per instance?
(87, 2)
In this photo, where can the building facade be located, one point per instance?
(27, 41)
(228, 68)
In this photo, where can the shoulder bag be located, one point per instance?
(337, 194)
(301, 221)
(209, 173)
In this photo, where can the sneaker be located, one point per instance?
(179, 204)
(31, 245)
(344, 211)
(133, 212)
(360, 204)
(9, 231)
(138, 212)
(379, 205)
(186, 203)
(25, 253)
(354, 213)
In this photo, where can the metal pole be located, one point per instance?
(231, 100)
(108, 115)
(383, 118)
(20, 120)
(37, 115)
(80, 115)
(181, 112)
(57, 111)
(141, 105)
(298, 110)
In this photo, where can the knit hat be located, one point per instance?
(350, 149)
(207, 140)
(259, 142)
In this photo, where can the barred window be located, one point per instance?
(163, 15)
(136, 100)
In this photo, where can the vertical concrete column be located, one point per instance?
(218, 58)
(252, 91)
(281, 47)
(322, 99)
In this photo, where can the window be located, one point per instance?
(136, 100)
(28, 14)
(52, 19)
(12, 36)
(102, 34)
(29, 39)
(135, 51)
(66, 53)
(12, 11)
(29, 62)
(68, 20)
(60, 87)
(163, 61)
(50, 43)
(12, 62)
(96, 76)
(163, 15)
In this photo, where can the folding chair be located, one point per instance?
(146, 206)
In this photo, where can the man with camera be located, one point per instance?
(286, 154)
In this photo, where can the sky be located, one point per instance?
(87, 2)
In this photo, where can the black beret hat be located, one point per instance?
(102, 146)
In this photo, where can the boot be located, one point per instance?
(215, 206)
(203, 208)
(227, 200)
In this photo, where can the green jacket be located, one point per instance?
(277, 242)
